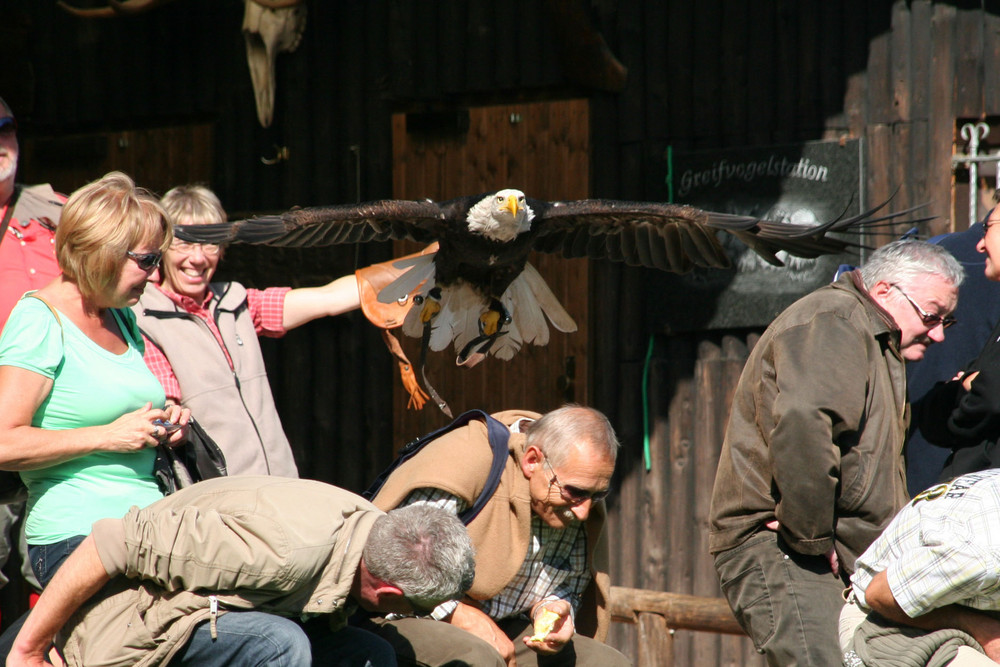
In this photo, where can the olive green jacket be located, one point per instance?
(244, 541)
(815, 435)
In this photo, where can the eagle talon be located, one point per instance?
(430, 310)
(491, 320)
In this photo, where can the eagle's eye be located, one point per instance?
(500, 198)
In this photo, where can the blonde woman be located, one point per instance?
(82, 413)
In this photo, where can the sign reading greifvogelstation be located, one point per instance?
(805, 183)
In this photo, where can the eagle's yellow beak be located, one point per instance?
(511, 205)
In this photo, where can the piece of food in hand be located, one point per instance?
(544, 623)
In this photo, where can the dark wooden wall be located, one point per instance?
(705, 75)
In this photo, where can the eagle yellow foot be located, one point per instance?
(430, 310)
(489, 322)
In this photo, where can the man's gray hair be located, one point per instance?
(556, 432)
(424, 551)
(903, 261)
(6, 107)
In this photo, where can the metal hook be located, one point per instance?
(282, 154)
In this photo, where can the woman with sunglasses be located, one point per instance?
(201, 339)
(82, 414)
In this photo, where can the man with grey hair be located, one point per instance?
(540, 553)
(224, 571)
(812, 468)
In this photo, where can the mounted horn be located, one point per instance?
(270, 27)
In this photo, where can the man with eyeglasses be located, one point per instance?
(811, 468)
(964, 414)
(538, 540)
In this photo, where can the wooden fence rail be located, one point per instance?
(657, 614)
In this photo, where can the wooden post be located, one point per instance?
(656, 641)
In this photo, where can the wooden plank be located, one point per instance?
(657, 107)
(733, 72)
(683, 113)
(832, 72)
(710, 422)
(879, 144)
(991, 55)
(968, 75)
(631, 101)
(452, 38)
(811, 60)
(785, 128)
(401, 42)
(942, 115)
(655, 642)
(479, 63)
(855, 63)
(901, 64)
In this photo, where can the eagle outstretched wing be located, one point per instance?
(383, 220)
(677, 238)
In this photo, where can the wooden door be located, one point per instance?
(542, 149)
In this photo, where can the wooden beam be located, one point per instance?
(687, 612)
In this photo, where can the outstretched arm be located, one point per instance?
(983, 628)
(80, 576)
(307, 303)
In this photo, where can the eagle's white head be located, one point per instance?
(501, 217)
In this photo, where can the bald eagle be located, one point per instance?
(478, 290)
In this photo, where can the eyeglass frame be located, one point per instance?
(932, 320)
(147, 261)
(8, 125)
(576, 496)
(185, 247)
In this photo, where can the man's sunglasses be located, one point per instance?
(147, 261)
(931, 320)
(8, 125)
(573, 494)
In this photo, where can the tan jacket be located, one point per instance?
(459, 463)
(234, 405)
(816, 431)
(243, 539)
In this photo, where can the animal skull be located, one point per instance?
(268, 31)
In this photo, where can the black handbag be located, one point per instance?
(12, 488)
(188, 463)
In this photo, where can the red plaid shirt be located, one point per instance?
(267, 308)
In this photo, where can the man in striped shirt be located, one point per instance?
(935, 568)
(538, 543)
